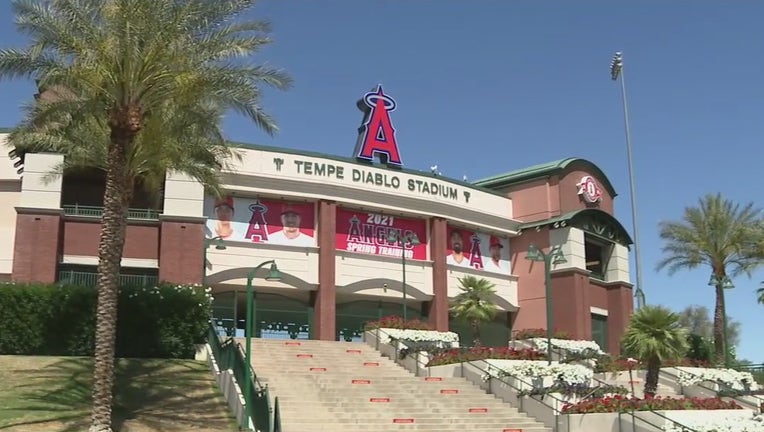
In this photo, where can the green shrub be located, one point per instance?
(165, 321)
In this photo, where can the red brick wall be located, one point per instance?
(438, 314)
(36, 247)
(81, 238)
(324, 320)
(180, 251)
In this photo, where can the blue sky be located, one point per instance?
(491, 86)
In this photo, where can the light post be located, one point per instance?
(273, 275)
(219, 245)
(412, 239)
(722, 283)
(616, 70)
(554, 256)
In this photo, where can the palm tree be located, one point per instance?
(473, 304)
(720, 234)
(760, 293)
(653, 336)
(149, 81)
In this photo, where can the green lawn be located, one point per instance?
(48, 394)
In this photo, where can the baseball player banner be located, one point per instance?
(369, 233)
(256, 220)
(466, 248)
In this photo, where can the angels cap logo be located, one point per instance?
(589, 190)
(377, 135)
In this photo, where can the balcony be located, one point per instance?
(97, 212)
(90, 279)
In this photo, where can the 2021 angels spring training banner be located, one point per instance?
(255, 220)
(368, 232)
(477, 250)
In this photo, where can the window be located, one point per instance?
(599, 330)
(597, 255)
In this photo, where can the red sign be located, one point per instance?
(403, 420)
(368, 233)
(449, 391)
(433, 379)
(255, 220)
(511, 430)
(359, 381)
(377, 134)
(315, 369)
(478, 410)
(477, 250)
(379, 400)
(304, 355)
(589, 190)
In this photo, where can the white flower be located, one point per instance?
(573, 346)
(729, 377)
(721, 424)
(569, 373)
(387, 334)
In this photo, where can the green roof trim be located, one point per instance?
(354, 161)
(544, 170)
(591, 220)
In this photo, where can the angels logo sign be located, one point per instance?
(589, 190)
(377, 135)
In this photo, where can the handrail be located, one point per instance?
(634, 419)
(501, 380)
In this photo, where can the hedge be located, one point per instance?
(165, 321)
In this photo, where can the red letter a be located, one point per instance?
(379, 134)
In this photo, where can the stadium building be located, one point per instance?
(345, 233)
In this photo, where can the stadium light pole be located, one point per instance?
(616, 71)
(273, 275)
(401, 241)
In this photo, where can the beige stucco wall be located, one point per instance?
(505, 286)
(10, 194)
(353, 269)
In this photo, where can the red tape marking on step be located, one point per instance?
(304, 355)
(449, 391)
(403, 420)
(478, 410)
(318, 369)
(360, 382)
(356, 351)
(379, 400)
(292, 343)
(635, 382)
(371, 364)
(433, 379)
(511, 430)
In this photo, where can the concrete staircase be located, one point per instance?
(344, 387)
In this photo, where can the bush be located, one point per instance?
(165, 321)
(396, 322)
(459, 355)
(540, 333)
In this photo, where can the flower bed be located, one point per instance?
(396, 322)
(540, 333)
(624, 404)
(459, 355)
(722, 424)
(570, 346)
(565, 373)
(579, 390)
(387, 335)
(731, 378)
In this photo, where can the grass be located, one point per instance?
(52, 394)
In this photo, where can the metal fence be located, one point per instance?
(90, 279)
(97, 212)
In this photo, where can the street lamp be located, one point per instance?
(616, 70)
(273, 275)
(723, 282)
(412, 239)
(554, 256)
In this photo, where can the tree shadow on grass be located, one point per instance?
(150, 395)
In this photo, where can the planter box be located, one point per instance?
(665, 419)
(599, 422)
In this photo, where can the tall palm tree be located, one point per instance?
(760, 293)
(138, 70)
(473, 304)
(719, 234)
(654, 336)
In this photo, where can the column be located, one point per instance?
(620, 305)
(181, 237)
(439, 306)
(39, 221)
(325, 306)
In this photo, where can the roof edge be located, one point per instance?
(573, 215)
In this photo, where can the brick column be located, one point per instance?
(324, 316)
(439, 306)
(37, 244)
(570, 302)
(620, 305)
(181, 243)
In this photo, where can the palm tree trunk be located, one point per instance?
(116, 201)
(475, 333)
(719, 339)
(651, 378)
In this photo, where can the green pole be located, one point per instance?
(548, 291)
(248, 349)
